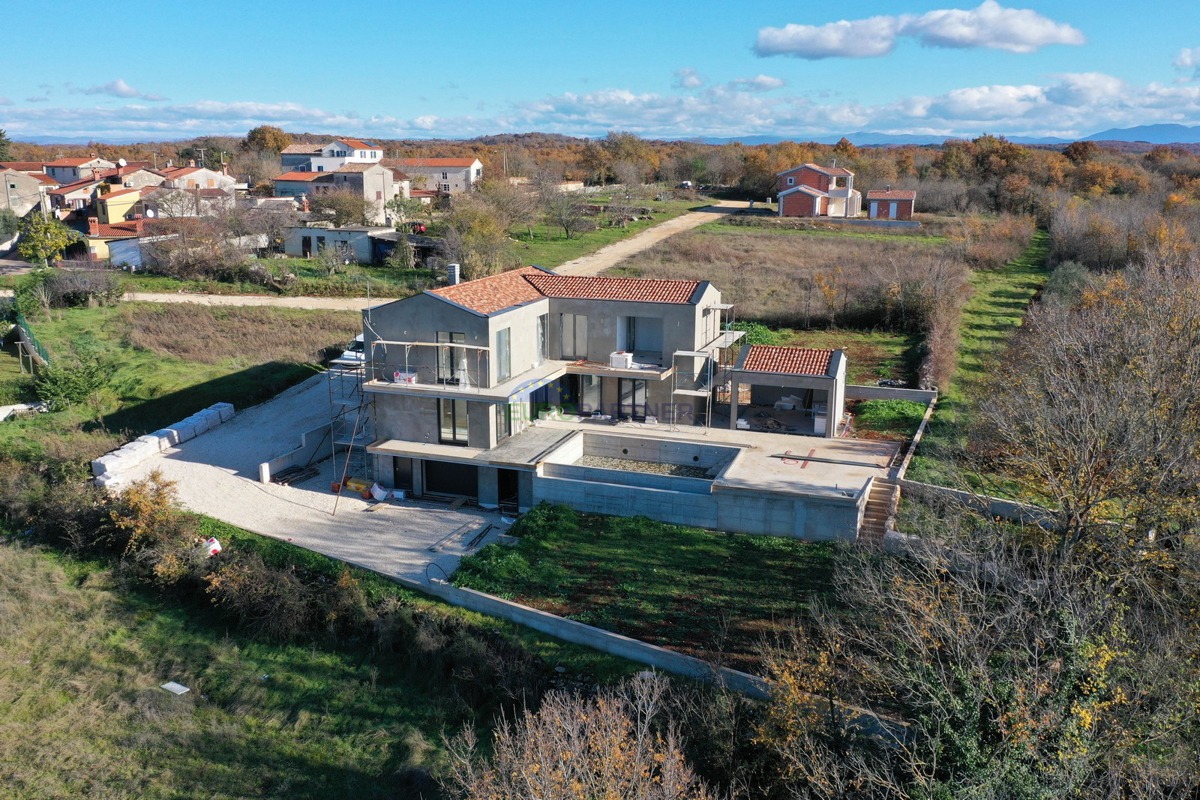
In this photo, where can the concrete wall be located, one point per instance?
(858, 392)
(664, 451)
(314, 446)
(992, 506)
(410, 419)
(419, 318)
(733, 510)
(641, 480)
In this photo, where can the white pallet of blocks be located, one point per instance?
(109, 469)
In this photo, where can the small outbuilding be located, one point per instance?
(801, 389)
(891, 203)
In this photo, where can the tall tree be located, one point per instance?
(267, 138)
(342, 208)
(5, 146)
(44, 239)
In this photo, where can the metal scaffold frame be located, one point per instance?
(350, 415)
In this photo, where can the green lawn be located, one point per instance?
(549, 247)
(996, 308)
(696, 591)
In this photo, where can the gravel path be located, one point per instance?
(217, 474)
(610, 256)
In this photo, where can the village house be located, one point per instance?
(445, 175)
(373, 182)
(891, 203)
(331, 156)
(73, 170)
(24, 192)
(811, 190)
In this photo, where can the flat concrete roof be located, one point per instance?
(846, 464)
(524, 450)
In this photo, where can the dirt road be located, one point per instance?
(609, 256)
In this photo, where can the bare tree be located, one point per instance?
(613, 746)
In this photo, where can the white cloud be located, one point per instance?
(1067, 105)
(991, 25)
(5, 101)
(117, 88)
(42, 99)
(1188, 60)
(760, 83)
(864, 38)
(688, 78)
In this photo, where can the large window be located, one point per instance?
(574, 336)
(452, 364)
(503, 355)
(452, 419)
(543, 323)
(590, 399)
(503, 421)
(631, 398)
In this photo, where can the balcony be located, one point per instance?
(424, 382)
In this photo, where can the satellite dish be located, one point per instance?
(122, 162)
(150, 213)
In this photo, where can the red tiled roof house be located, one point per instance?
(811, 190)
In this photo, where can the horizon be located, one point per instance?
(1028, 70)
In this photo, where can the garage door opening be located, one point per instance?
(452, 480)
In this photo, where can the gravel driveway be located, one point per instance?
(217, 474)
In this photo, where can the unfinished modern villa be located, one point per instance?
(612, 395)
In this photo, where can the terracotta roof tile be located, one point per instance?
(301, 150)
(356, 166)
(43, 177)
(86, 183)
(359, 144)
(118, 230)
(22, 166)
(637, 290)
(787, 360)
(891, 194)
(493, 293)
(837, 172)
(299, 176)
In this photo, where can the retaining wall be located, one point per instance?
(311, 443)
(857, 392)
(1024, 513)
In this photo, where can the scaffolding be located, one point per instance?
(699, 373)
(350, 420)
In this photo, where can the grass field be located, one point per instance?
(918, 235)
(245, 358)
(311, 280)
(549, 247)
(696, 591)
(82, 657)
(996, 308)
(870, 355)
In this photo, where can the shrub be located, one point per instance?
(74, 377)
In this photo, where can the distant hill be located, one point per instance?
(1154, 134)
(871, 139)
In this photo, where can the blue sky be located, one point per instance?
(455, 69)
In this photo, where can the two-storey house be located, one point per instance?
(811, 190)
(529, 386)
(443, 175)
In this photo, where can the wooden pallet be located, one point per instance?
(293, 475)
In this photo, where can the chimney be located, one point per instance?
(453, 274)
(93, 226)
(191, 162)
(889, 187)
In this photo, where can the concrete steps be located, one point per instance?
(881, 506)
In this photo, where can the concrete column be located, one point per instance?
(489, 487)
(734, 386)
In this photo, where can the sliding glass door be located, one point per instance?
(452, 418)
(631, 401)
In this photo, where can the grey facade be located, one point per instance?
(495, 390)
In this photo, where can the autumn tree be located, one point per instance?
(1098, 405)
(476, 238)
(1080, 152)
(43, 239)
(267, 138)
(5, 146)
